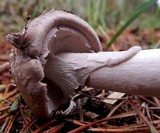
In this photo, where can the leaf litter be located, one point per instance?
(128, 113)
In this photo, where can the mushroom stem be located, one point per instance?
(104, 70)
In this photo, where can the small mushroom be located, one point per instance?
(60, 53)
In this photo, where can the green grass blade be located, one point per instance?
(3, 99)
(138, 11)
(14, 105)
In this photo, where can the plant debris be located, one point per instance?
(128, 114)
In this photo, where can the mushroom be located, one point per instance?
(60, 54)
(49, 34)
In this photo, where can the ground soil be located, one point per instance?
(128, 114)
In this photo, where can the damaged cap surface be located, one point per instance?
(48, 35)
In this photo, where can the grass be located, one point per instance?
(136, 13)
(107, 14)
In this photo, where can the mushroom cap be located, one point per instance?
(49, 34)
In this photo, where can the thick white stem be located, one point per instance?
(137, 75)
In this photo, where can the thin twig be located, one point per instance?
(4, 57)
(4, 116)
(10, 123)
(152, 128)
(5, 66)
(55, 129)
(76, 122)
(4, 124)
(27, 126)
(4, 108)
(86, 126)
(157, 101)
(148, 113)
(6, 90)
(147, 100)
(44, 126)
(121, 130)
(10, 94)
(115, 108)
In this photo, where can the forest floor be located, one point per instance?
(100, 113)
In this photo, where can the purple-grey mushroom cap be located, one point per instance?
(48, 35)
